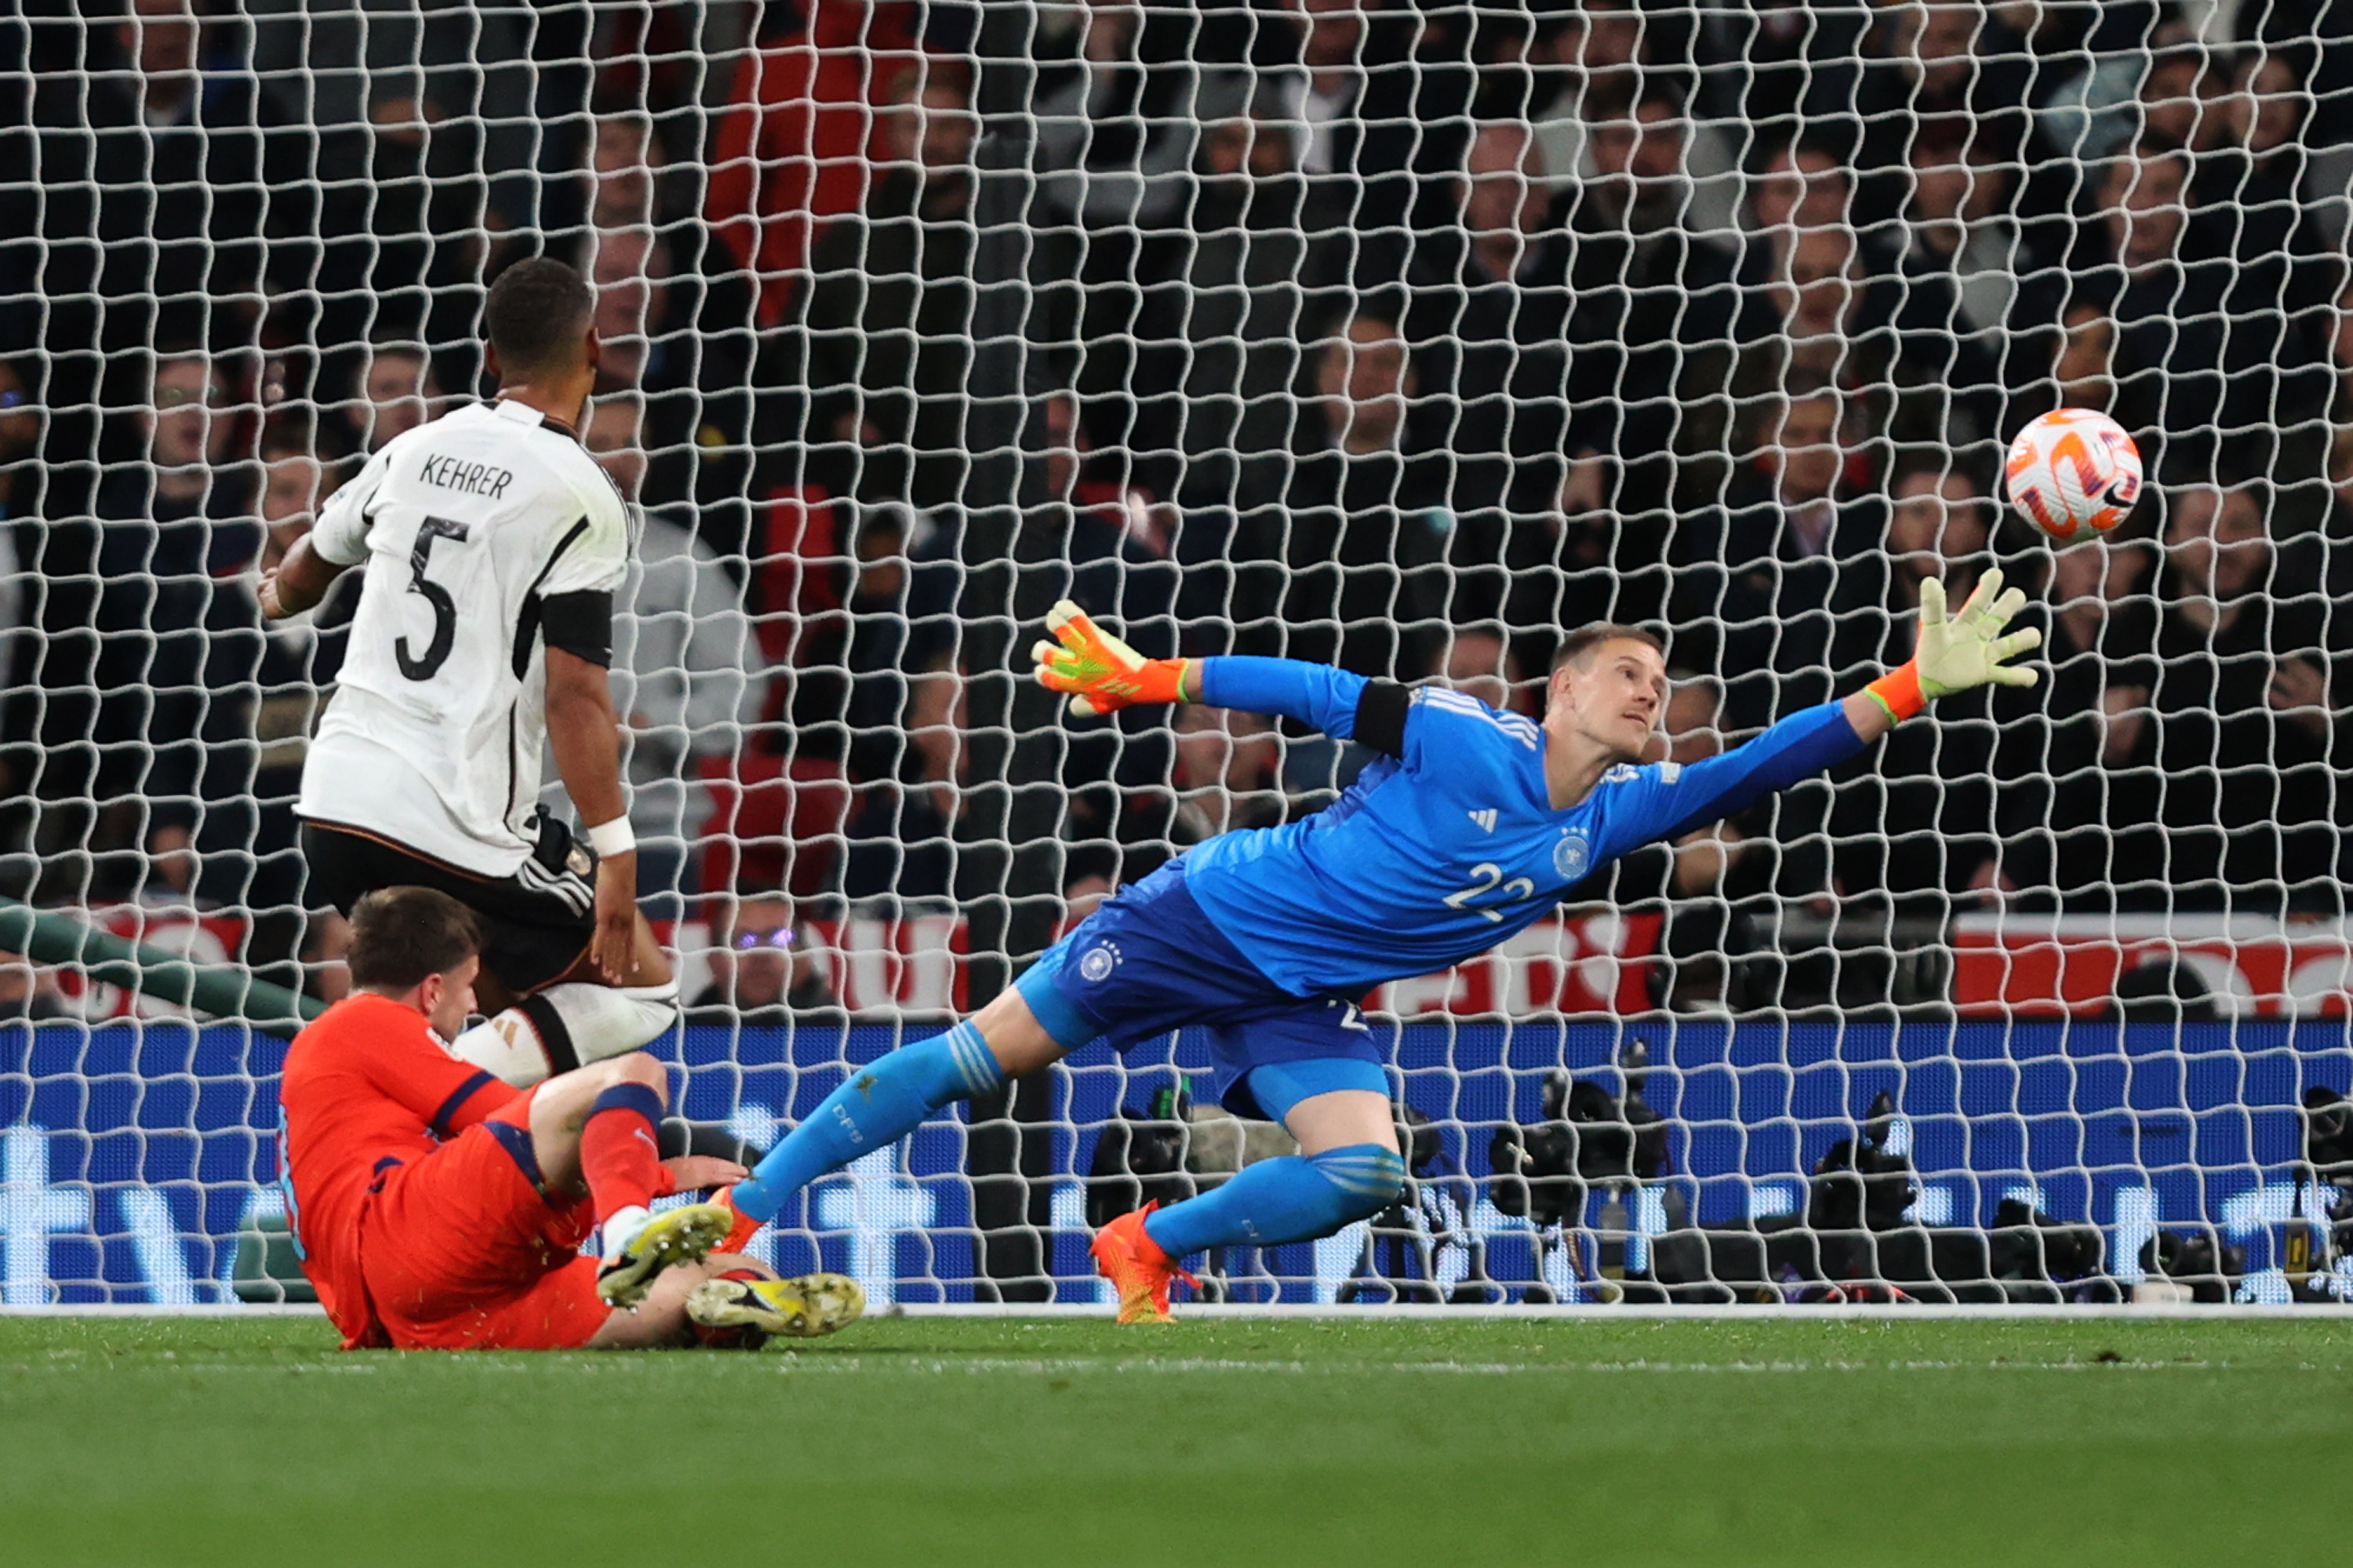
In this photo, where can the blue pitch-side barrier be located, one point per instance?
(132, 1154)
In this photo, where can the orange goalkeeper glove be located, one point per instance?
(1102, 673)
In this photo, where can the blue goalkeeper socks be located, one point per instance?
(875, 1107)
(1286, 1200)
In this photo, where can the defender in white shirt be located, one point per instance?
(492, 544)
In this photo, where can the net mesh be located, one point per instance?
(1400, 337)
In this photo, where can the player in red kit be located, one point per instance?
(438, 1208)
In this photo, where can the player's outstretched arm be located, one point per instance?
(1954, 653)
(1101, 674)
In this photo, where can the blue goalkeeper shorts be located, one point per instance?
(1149, 961)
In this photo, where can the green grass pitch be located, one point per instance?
(1032, 1442)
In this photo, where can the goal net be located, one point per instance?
(1401, 337)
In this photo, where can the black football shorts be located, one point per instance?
(537, 923)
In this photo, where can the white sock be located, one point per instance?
(622, 1229)
(587, 1024)
(601, 1020)
(507, 1047)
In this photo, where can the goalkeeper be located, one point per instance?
(1468, 826)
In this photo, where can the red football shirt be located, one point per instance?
(367, 1085)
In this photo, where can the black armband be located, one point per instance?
(579, 623)
(1380, 716)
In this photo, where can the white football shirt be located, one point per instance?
(434, 737)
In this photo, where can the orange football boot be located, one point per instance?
(740, 1235)
(1127, 1256)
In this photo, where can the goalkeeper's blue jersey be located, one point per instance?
(1434, 856)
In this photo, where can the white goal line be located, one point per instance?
(1590, 1312)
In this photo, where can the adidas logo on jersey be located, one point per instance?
(1486, 819)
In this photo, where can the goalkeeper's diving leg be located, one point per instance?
(1306, 1063)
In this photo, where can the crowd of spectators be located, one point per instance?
(1397, 335)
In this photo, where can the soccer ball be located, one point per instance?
(2076, 473)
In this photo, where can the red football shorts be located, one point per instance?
(462, 1251)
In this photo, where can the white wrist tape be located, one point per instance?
(609, 839)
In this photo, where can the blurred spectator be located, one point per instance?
(886, 342)
(121, 660)
(910, 835)
(1650, 308)
(1778, 65)
(1492, 382)
(760, 964)
(2341, 403)
(1709, 877)
(851, 641)
(792, 150)
(293, 485)
(21, 475)
(1803, 185)
(1840, 311)
(2211, 346)
(1884, 340)
(2176, 101)
(1082, 896)
(2166, 306)
(2086, 370)
(2103, 80)
(402, 213)
(2266, 120)
(1225, 776)
(2224, 793)
(1229, 328)
(261, 680)
(1109, 545)
(687, 676)
(1362, 525)
(398, 393)
(1117, 136)
(150, 210)
(2054, 804)
(876, 606)
(21, 537)
(1712, 880)
(1118, 129)
(676, 339)
(170, 880)
(1572, 50)
(623, 159)
(1917, 830)
(1116, 539)
(1609, 51)
(1364, 112)
(628, 265)
(187, 511)
(1757, 578)
(2287, 266)
(1968, 260)
(1939, 72)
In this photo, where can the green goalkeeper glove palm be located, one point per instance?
(1957, 652)
(1969, 649)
